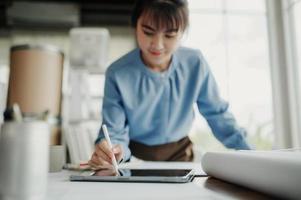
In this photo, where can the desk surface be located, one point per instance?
(60, 188)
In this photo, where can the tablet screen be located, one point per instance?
(147, 172)
(137, 175)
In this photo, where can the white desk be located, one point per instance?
(60, 188)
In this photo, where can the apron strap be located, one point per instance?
(175, 151)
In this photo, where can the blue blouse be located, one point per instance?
(155, 108)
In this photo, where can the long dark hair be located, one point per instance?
(170, 14)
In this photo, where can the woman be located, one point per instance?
(150, 92)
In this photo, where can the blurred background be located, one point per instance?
(252, 46)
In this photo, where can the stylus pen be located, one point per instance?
(106, 133)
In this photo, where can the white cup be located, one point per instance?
(56, 158)
(24, 155)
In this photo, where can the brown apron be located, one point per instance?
(175, 151)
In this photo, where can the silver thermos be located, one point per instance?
(24, 151)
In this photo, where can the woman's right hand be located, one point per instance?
(103, 155)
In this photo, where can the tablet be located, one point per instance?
(137, 175)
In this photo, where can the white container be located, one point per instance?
(56, 158)
(89, 49)
(24, 151)
(4, 71)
